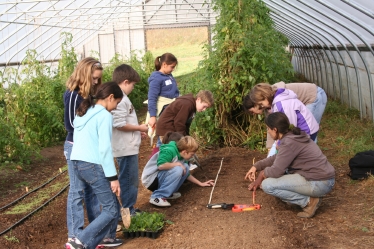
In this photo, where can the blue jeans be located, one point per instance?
(93, 175)
(74, 212)
(129, 180)
(169, 181)
(317, 108)
(295, 189)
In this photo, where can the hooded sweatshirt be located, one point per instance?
(169, 153)
(299, 155)
(306, 92)
(286, 101)
(92, 140)
(163, 85)
(175, 116)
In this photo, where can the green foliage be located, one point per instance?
(147, 222)
(143, 67)
(68, 57)
(246, 50)
(347, 132)
(31, 106)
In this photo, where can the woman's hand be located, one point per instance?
(254, 185)
(114, 185)
(152, 122)
(251, 174)
(207, 183)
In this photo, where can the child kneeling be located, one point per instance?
(173, 169)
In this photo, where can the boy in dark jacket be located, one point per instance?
(176, 116)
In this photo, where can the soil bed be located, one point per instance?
(344, 220)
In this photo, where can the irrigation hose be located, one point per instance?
(23, 196)
(215, 182)
(24, 218)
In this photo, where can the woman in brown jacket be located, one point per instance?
(299, 174)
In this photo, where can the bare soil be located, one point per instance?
(344, 220)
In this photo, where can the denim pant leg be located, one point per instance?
(74, 202)
(128, 180)
(317, 108)
(74, 208)
(294, 188)
(93, 175)
(169, 181)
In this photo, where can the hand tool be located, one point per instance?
(221, 205)
(247, 207)
(151, 132)
(215, 183)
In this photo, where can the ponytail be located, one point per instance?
(294, 130)
(168, 58)
(103, 92)
(157, 63)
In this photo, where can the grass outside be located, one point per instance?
(186, 44)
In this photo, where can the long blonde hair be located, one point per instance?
(81, 78)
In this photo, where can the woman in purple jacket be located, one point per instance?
(309, 175)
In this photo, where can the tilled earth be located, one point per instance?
(344, 220)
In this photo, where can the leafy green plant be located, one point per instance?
(246, 50)
(12, 239)
(145, 221)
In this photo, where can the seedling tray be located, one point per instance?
(137, 234)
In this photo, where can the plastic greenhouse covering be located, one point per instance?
(331, 41)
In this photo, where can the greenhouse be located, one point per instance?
(226, 47)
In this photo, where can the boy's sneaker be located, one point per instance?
(175, 195)
(161, 202)
(72, 244)
(108, 242)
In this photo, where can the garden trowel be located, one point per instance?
(125, 214)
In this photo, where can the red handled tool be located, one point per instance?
(247, 207)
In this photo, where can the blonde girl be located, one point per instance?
(83, 82)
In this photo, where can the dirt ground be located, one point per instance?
(344, 220)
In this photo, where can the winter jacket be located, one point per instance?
(92, 139)
(286, 101)
(297, 154)
(72, 100)
(175, 115)
(163, 85)
(125, 143)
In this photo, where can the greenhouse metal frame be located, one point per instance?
(331, 42)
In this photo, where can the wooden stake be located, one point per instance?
(60, 170)
(27, 189)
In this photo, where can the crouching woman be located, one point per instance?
(299, 174)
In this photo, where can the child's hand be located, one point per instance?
(251, 174)
(182, 166)
(207, 183)
(143, 135)
(114, 185)
(143, 128)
